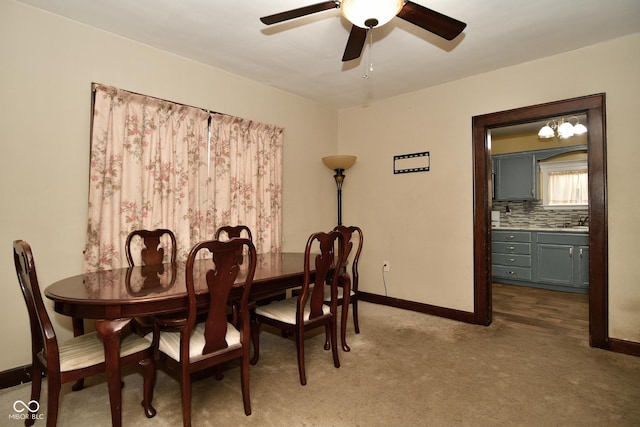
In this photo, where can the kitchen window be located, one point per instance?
(565, 184)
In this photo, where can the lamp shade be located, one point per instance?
(339, 161)
(579, 129)
(546, 132)
(360, 11)
(565, 130)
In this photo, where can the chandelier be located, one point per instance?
(562, 128)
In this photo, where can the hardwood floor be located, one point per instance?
(553, 312)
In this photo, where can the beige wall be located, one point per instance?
(421, 219)
(47, 66)
(422, 222)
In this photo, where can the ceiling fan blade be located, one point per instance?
(357, 38)
(297, 13)
(431, 20)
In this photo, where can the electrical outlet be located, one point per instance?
(386, 266)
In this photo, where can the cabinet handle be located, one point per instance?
(511, 236)
(580, 252)
(570, 252)
(513, 260)
(511, 248)
(511, 272)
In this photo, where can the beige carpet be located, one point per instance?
(404, 369)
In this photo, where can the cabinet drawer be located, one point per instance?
(564, 238)
(512, 260)
(511, 248)
(511, 236)
(510, 272)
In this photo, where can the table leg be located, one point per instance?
(78, 329)
(110, 331)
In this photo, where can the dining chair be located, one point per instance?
(152, 252)
(351, 282)
(195, 346)
(231, 231)
(72, 359)
(307, 310)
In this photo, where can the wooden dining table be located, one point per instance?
(114, 297)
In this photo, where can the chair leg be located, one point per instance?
(300, 351)
(185, 384)
(244, 379)
(217, 372)
(255, 340)
(334, 342)
(53, 398)
(36, 388)
(344, 318)
(356, 325)
(149, 367)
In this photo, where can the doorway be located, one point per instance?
(593, 106)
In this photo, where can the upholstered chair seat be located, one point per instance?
(285, 310)
(169, 342)
(88, 350)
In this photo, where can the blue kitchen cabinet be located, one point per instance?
(515, 176)
(543, 259)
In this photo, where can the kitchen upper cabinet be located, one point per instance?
(515, 176)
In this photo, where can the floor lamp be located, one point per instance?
(339, 164)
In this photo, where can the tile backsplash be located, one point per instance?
(532, 214)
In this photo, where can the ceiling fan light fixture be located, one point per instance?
(361, 12)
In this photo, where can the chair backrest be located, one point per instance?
(152, 252)
(348, 235)
(43, 337)
(220, 278)
(326, 265)
(233, 231)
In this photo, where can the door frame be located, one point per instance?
(594, 108)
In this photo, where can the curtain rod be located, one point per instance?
(94, 86)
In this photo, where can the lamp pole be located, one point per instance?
(339, 177)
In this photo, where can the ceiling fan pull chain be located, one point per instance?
(371, 49)
(370, 66)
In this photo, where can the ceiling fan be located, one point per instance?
(366, 15)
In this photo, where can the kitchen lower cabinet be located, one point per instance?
(543, 259)
(583, 253)
(511, 255)
(562, 259)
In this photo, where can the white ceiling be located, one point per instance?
(303, 56)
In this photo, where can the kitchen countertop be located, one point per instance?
(576, 229)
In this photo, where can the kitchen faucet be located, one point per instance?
(583, 221)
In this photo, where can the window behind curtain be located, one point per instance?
(565, 184)
(153, 165)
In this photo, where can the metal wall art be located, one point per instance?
(415, 162)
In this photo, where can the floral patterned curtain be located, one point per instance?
(152, 166)
(246, 174)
